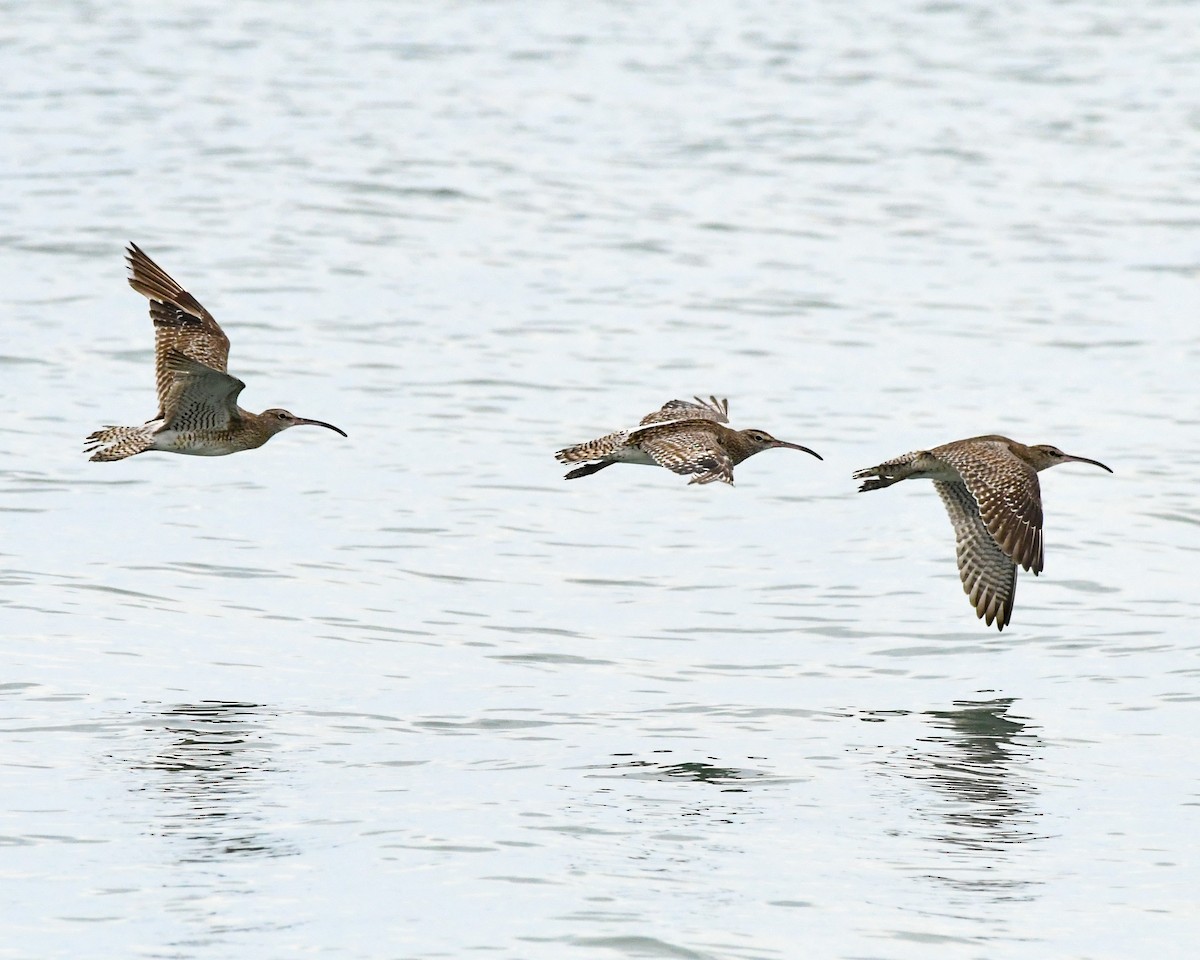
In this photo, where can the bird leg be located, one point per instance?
(893, 471)
(587, 469)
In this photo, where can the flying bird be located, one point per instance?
(688, 438)
(990, 488)
(198, 412)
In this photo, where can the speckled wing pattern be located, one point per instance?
(1008, 494)
(673, 411)
(989, 576)
(180, 322)
(199, 398)
(686, 447)
(710, 409)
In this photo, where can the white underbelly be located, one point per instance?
(187, 443)
(632, 454)
(940, 472)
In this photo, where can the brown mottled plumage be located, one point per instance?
(686, 437)
(990, 488)
(180, 322)
(197, 400)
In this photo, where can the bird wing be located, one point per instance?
(989, 576)
(180, 322)
(199, 397)
(673, 412)
(710, 409)
(1008, 494)
(686, 447)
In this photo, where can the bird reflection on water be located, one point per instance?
(982, 799)
(210, 760)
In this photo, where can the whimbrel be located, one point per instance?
(197, 400)
(686, 437)
(990, 488)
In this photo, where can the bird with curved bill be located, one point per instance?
(688, 438)
(990, 488)
(198, 413)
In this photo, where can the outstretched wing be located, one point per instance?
(989, 576)
(686, 447)
(199, 397)
(180, 322)
(1009, 497)
(710, 409)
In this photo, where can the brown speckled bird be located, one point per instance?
(686, 437)
(197, 400)
(990, 488)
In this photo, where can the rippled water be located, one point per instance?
(410, 694)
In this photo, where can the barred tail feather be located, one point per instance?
(888, 473)
(593, 449)
(117, 443)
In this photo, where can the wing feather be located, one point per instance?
(989, 575)
(687, 447)
(180, 322)
(673, 410)
(199, 397)
(1008, 494)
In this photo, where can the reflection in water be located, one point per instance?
(976, 764)
(205, 768)
(702, 802)
(699, 771)
(209, 762)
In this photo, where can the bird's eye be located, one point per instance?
(282, 415)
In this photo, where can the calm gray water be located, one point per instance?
(410, 695)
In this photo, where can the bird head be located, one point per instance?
(277, 420)
(759, 440)
(1045, 455)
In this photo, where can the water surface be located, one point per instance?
(410, 694)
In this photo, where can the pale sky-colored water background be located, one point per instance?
(410, 694)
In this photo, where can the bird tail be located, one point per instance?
(890, 471)
(593, 449)
(117, 443)
(874, 484)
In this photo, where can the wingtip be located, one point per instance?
(993, 617)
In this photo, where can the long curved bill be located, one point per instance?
(796, 446)
(1094, 463)
(300, 421)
